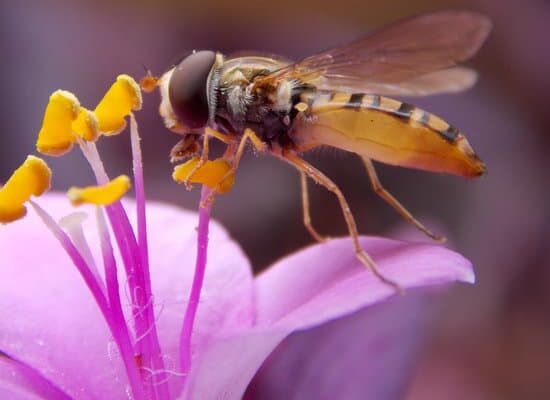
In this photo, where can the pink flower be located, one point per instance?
(57, 345)
(175, 312)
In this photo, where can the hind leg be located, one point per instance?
(306, 210)
(392, 201)
(312, 172)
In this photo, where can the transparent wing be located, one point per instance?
(398, 55)
(448, 80)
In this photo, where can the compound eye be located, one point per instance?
(187, 88)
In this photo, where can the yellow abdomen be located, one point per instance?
(385, 130)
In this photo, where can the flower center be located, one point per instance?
(65, 124)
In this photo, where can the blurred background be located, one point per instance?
(493, 339)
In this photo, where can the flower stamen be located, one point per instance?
(137, 167)
(85, 125)
(56, 137)
(72, 224)
(119, 327)
(213, 174)
(32, 178)
(122, 97)
(137, 277)
(198, 279)
(101, 195)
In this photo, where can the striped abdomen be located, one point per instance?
(386, 130)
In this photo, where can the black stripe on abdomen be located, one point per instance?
(355, 101)
(404, 111)
(450, 134)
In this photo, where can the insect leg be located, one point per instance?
(392, 201)
(186, 147)
(320, 178)
(236, 156)
(259, 146)
(305, 209)
(203, 158)
(227, 139)
(208, 133)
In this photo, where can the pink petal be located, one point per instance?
(55, 328)
(18, 381)
(319, 284)
(326, 281)
(226, 302)
(49, 321)
(369, 354)
(224, 369)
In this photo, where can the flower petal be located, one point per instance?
(226, 366)
(226, 302)
(319, 284)
(19, 381)
(324, 282)
(49, 321)
(369, 354)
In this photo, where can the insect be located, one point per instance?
(334, 98)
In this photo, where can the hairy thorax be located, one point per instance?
(240, 104)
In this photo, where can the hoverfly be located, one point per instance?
(334, 98)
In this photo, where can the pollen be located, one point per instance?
(100, 195)
(32, 178)
(85, 125)
(56, 136)
(215, 174)
(123, 97)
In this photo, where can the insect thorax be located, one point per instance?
(268, 111)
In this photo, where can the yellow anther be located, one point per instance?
(123, 97)
(85, 125)
(215, 174)
(32, 178)
(56, 136)
(100, 195)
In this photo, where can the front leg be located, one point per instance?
(235, 157)
(185, 148)
(208, 133)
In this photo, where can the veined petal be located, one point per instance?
(49, 319)
(18, 381)
(325, 283)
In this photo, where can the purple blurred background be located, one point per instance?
(493, 339)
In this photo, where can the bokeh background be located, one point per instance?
(492, 340)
